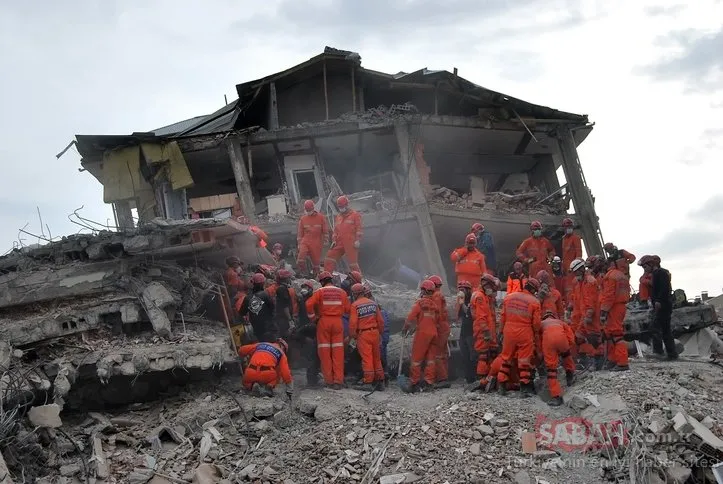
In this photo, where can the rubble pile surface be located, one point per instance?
(533, 201)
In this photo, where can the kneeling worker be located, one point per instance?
(557, 339)
(268, 365)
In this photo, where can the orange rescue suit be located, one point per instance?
(443, 330)
(329, 304)
(469, 265)
(347, 232)
(586, 313)
(538, 248)
(484, 330)
(557, 341)
(515, 282)
(232, 279)
(646, 285)
(267, 366)
(366, 326)
(425, 316)
(613, 300)
(571, 250)
(312, 233)
(553, 302)
(260, 235)
(623, 263)
(520, 329)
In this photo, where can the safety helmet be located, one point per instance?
(283, 274)
(283, 344)
(536, 225)
(427, 286)
(308, 284)
(567, 222)
(436, 280)
(489, 279)
(576, 265)
(357, 289)
(476, 227)
(470, 239)
(367, 290)
(532, 283)
(342, 201)
(548, 314)
(610, 247)
(556, 260)
(355, 276)
(464, 285)
(309, 205)
(646, 259)
(517, 266)
(233, 261)
(543, 276)
(655, 259)
(592, 261)
(324, 275)
(258, 279)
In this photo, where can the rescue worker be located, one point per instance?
(259, 307)
(366, 326)
(276, 252)
(645, 282)
(621, 257)
(232, 276)
(484, 326)
(466, 335)
(261, 236)
(613, 306)
(424, 319)
(306, 334)
(563, 280)
(312, 235)
(661, 293)
(354, 277)
(287, 304)
(536, 251)
(385, 332)
(521, 321)
(516, 279)
(327, 306)
(586, 315)
(239, 325)
(486, 245)
(469, 263)
(557, 340)
(442, 359)
(268, 364)
(347, 237)
(571, 244)
(550, 298)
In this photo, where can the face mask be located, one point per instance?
(308, 212)
(489, 291)
(568, 231)
(277, 252)
(460, 295)
(537, 233)
(343, 210)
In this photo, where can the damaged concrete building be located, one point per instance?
(423, 155)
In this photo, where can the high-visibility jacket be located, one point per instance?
(623, 261)
(312, 228)
(267, 356)
(348, 227)
(483, 320)
(442, 303)
(521, 309)
(615, 289)
(515, 283)
(424, 315)
(327, 301)
(553, 302)
(469, 264)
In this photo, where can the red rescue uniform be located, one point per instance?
(538, 248)
(587, 307)
(571, 250)
(233, 280)
(260, 235)
(268, 365)
(312, 233)
(347, 234)
(484, 331)
(469, 265)
(557, 341)
(623, 262)
(553, 302)
(366, 326)
(443, 329)
(520, 329)
(329, 304)
(425, 316)
(613, 300)
(645, 287)
(515, 282)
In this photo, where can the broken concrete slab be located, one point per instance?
(610, 408)
(160, 306)
(46, 416)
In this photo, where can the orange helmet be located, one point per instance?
(471, 239)
(464, 285)
(342, 201)
(533, 283)
(543, 276)
(324, 275)
(476, 227)
(357, 289)
(436, 280)
(355, 276)
(567, 222)
(309, 205)
(427, 286)
(536, 225)
(258, 279)
(308, 284)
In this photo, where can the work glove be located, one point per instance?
(594, 339)
(356, 244)
(603, 317)
(352, 343)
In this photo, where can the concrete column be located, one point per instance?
(419, 202)
(273, 107)
(243, 182)
(123, 215)
(581, 197)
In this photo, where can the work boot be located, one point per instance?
(569, 378)
(502, 389)
(555, 402)
(609, 365)
(336, 386)
(256, 390)
(380, 386)
(364, 387)
(620, 368)
(473, 386)
(599, 362)
(267, 391)
(426, 387)
(442, 384)
(583, 363)
(527, 390)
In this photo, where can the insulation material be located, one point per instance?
(178, 173)
(122, 175)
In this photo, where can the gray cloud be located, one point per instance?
(658, 11)
(711, 211)
(697, 60)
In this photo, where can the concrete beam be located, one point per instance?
(243, 182)
(123, 215)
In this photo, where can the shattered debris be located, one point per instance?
(528, 202)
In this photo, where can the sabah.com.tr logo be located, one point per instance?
(576, 434)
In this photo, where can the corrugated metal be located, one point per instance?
(178, 127)
(218, 122)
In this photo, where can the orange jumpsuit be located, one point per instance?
(366, 325)
(425, 314)
(312, 232)
(469, 265)
(484, 331)
(329, 304)
(443, 330)
(538, 248)
(557, 340)
(347, 231)
(515, 282)
(587, 310)
(615, 295)
(646, 284)
(232, 279)
(553, 302)
(623, 263)
(571, 250)
(513, 382)
(520, 329)
(268, 365)
(261, 235)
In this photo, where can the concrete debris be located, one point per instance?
(45, 416)
(160, 307)
(515, 199)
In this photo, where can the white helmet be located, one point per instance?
(556, 259)
(576, 265)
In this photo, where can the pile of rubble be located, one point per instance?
(534, 201)
(378, 115)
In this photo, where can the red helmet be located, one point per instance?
(517, 266)
(567, 222)
(489, 279)
(357, 289)
(258, 279)
(543, 276)
(646, 259)
(476, 227)
(309, 205)
(427, 286)
(367, 291)
(436, 280)
(470, 239)
(308, 284)
(283, 274)
(536, 225)
(592, 261)
(283, 344)
(324, 275)
(278, 246)
(342, 201)
(533, 283)
(464, 284)
(548, 314)
(356, 276)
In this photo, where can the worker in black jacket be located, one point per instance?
(662, 297)
(260, 308)
(466, 338)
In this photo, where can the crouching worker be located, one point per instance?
(267, 365)
(424, 318)
(557, 340)
(365, 327)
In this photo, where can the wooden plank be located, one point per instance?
(243, 182)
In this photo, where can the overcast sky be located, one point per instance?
(649, 76)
